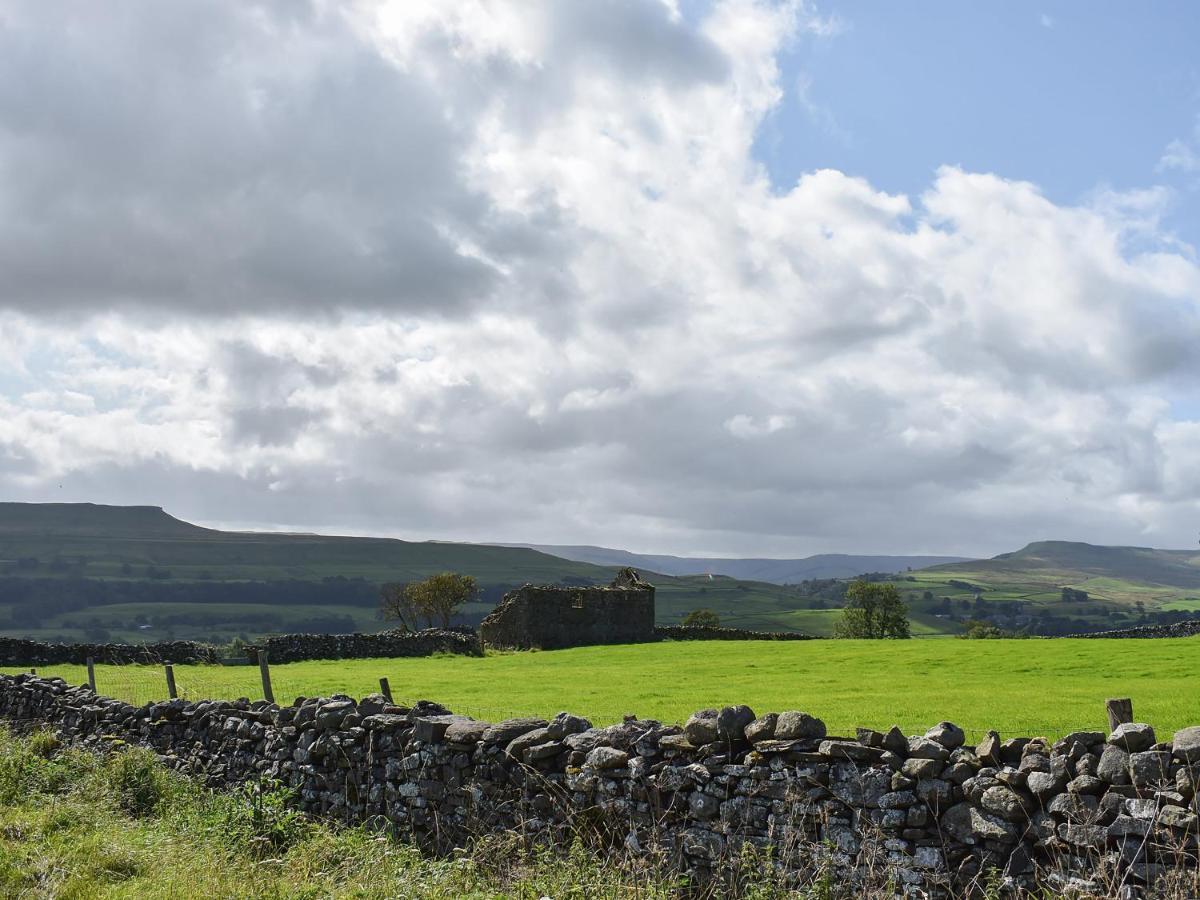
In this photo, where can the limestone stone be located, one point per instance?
(732, 722)
(1132, 737)
(701, 727)
(947, 734)
(969, 825)
(1005, 803)
(795, 725)
(1113, 766)
(607, 758)
(925, 748)
(1186, 745)
(762, 728)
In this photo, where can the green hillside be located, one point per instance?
(1110, 587)
(83, 571)
(76, 571)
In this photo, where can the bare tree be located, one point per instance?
(395, 603)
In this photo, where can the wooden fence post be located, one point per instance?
(265, 670)
(171, 692)
(33, 671)
(385, 689)
(1119, 712)
(91, 664)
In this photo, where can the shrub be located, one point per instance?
(702, 618)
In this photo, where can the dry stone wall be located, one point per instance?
(706, 633)
(297, 647)
(928, 810)
(1189, 628)
(20, 652)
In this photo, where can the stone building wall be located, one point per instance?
(555, 617)
(926, 812)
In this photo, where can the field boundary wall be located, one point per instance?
(928, 811)
(1189, 628)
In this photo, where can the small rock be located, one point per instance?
(1006, 803)
(607, 758)
(798, 726)
(947, 734)
(1132, 737)
(1113, 766)
(732, 722)
(762, 728)
(1186, 745)
(701, 727)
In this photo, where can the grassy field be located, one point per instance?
(1025, 687)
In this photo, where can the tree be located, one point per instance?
(394, 603)
(436, 599)
(873, 611)
(702, 618)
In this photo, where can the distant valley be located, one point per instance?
(775, 571)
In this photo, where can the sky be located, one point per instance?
(732, 278)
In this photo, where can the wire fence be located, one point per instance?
(143, 684)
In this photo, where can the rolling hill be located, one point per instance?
(775, 571)
(137, 573)
(75, 571)
(1109, 587)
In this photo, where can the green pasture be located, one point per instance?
(1025, 687)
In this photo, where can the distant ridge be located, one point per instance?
(86, 519)
(1072, 562)
(773, 571)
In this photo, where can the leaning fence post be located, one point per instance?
(265, 670)
(385, 689)
(171, 692)
(91, 664)
(1119, 712)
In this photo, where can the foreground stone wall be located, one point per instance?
(297, 647)
(20, 652)
(927, 811)
(556, 617)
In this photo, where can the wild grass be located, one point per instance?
(1016, 687)
(76, 825)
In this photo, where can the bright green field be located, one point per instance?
(1017, 687)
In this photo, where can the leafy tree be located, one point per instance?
(436, 599)
(702, 618)
(873, 611)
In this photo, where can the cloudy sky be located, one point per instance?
(726, 278)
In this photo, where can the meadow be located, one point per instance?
(1025, 687)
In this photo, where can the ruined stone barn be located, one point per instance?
(552, 617)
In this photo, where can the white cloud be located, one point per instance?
(517, 277)
(1182, 155)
